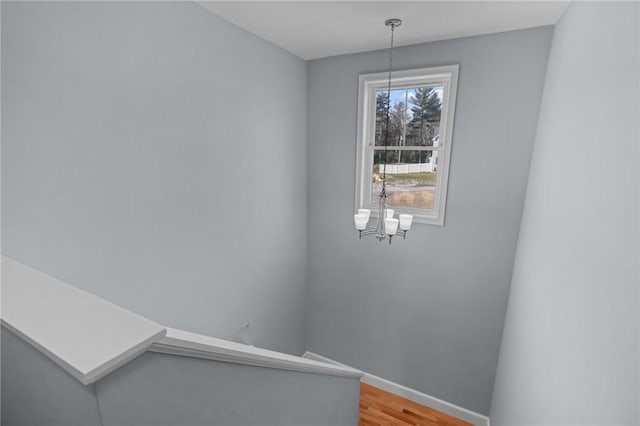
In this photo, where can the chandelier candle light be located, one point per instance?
(386, 226)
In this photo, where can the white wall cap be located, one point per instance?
(84, 334)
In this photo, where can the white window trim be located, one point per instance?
(368, 84)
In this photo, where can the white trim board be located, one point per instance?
(85, 335)
(413, 395)
(184, 343)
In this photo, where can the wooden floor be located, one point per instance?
(381, 408)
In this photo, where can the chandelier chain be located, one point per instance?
(388, 113)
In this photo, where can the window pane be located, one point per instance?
(410, 178)
(414, 116)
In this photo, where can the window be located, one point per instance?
(422, 103)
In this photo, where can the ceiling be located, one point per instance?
(316, 29)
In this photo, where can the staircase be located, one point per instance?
(70, 358)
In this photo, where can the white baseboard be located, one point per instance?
(411, 394)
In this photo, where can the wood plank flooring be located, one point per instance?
(381, 408)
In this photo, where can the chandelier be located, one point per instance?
(387, 226)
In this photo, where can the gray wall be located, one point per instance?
(570, 348)
(156, 390)
(426, 312)
(155, 155)
(167, 390)
(36, 392)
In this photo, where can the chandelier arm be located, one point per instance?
(372, 231)
(368, 231)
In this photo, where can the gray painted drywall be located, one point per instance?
(570, 348)
(426, 312)
(37, 392)
(167, 390)
(155, 155)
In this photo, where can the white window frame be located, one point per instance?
(368, 85)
